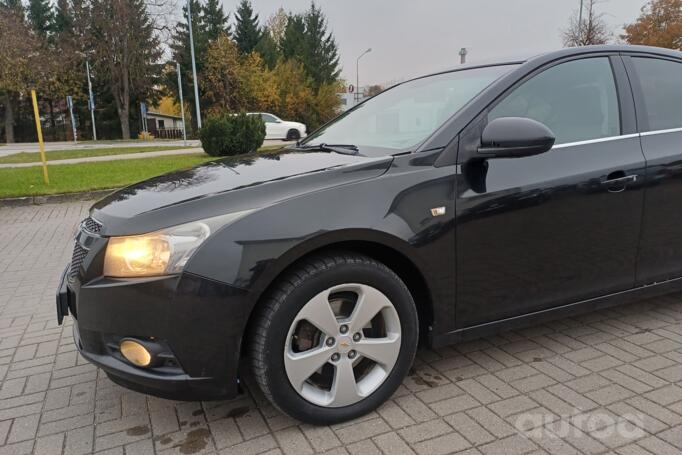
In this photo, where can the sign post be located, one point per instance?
(69, 103)
(91, 102)
(143, 114)
(39, 130)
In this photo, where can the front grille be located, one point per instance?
(91, 225)
(76, 260)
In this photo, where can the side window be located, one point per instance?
(267, 118)
(577, 100)
(661, 82)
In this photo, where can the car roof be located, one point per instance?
(567, 52)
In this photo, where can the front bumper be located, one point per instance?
(197, 321)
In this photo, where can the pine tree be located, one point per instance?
(41, 16)
(268, 50)
(216, 20)
(63, 18)
(247, 32)
(321, 54)
(292, 43)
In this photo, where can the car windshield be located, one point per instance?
(402, 117)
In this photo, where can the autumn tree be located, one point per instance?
(235, 82)
(15, 63)
(126, 53)
(373, 90)
(659, 24)
(591, 29)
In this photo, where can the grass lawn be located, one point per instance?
(73, 178)
(34, 157)
(70, 178)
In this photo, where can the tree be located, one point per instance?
(21, 64)
(277, 25)
(292, 43)
(592, 29)
(321, 57)
(41, 16)
(247, 32)
(660, 24)
(306, 38)
(126, 53)
(13, 7)
(63, 18)
(373, 90)
(236, 83)
(216, 20)
(267, 49)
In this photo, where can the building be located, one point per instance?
(164, 126)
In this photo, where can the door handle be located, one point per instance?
(617, 181)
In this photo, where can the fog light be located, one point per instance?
(135, 353)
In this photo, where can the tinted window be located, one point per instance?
(661, 82)
(267, 118)
(577, 100)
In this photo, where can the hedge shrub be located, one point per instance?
(230, 134)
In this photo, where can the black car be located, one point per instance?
(448, 207)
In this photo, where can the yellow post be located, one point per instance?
(40, 137)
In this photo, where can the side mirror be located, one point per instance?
(515, 137)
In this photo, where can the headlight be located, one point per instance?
(162, 252)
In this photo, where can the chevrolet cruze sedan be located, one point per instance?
(448, 207)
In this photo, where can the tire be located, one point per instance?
(293, 135)
(336, 279)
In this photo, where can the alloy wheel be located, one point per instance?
(342, 345)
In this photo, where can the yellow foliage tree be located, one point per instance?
(234, 83)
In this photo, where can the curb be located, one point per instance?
(55, 198)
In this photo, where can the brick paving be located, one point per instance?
(607, 382)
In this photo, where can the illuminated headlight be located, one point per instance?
(159, 253)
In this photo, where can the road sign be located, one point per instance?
(351, 88)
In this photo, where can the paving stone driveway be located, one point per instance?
(607, 382)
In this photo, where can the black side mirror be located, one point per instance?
(514, 137)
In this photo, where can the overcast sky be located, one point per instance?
(413, 37)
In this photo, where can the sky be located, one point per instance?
(414, 37)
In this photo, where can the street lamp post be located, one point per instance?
(357, 75)
(182, 105)
(194, 64)
(580, 24)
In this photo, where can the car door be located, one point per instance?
(272, 127)
(657, 84)
(541, 231)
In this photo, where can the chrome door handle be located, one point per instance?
(616, 182)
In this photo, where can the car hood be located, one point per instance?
(228, 185)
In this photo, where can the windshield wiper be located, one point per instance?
(345, 149)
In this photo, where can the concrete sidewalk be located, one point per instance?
(128, 156)
(10, 149)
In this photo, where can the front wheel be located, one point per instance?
(293, 135)
(334, 338)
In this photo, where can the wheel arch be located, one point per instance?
(387, 251)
